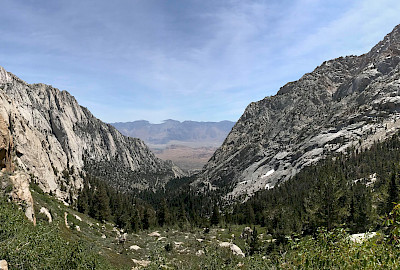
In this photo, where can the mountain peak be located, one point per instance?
(326, 111)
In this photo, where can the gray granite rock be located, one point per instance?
(55, 139)
(348, 101)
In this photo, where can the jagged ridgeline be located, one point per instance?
(341, 103)
(57, 141)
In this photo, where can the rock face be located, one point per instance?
(349, 101)
(57, 141)
(22, 194)
(6, 146)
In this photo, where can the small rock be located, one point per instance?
(103, 236)
(161, 238)
(200, 240)
(246, 233)
(154, 234)
(122, 238)
(45, 211)
(143, 263)
(361, 237)
(200, 252)
(77, 217)
(178, 244)
(78, 228)
(66, 219)
(134, 247)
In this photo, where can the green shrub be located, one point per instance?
(25, 246)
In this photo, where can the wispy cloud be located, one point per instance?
(192, 59)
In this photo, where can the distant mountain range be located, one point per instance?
(189, 133)
(189, 144)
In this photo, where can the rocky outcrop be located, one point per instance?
(22, 194)
(57, 141)
(349, 101)
(18, 180)
(6, 147)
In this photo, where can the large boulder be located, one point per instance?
(21, 193)
(3, 265)
(234, 248)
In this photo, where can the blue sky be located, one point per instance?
(197, 60)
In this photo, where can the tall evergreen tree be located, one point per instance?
(83, 200)
(163, 214)
(254, 244)
(101, 204)
(215, 216)
(146, 219)
(326, 203)
(393, 192)
(134, 221)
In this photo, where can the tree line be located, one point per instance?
(344, 190)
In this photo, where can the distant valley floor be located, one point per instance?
(186, 157)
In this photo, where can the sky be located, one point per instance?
(200, 60)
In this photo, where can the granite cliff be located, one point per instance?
(57, 142)
(346, 102)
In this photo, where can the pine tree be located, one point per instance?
(250, 216)
(215, 217)
(134, 221)
(254, 245)
(163, 214)
(326, 202)
(182, 217)
(146, 219)
(83, 200)
(393, 192)
(101, 204)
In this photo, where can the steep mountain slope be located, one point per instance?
(57, 141)
(349, 101)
